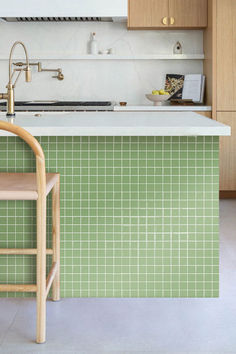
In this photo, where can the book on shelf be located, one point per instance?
(186, 87)
(174, 85)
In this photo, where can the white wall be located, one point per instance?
(96, 80)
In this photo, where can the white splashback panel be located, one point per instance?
(96, 80)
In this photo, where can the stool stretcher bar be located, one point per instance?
(22, 288)
(22, 251)
(50, 277)
(18, 288)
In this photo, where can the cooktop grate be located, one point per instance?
(63, 106)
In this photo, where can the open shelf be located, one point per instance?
(114, 57)
(143, 57)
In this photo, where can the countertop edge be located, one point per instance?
(162, 131)
(133, 108)
(120, 124)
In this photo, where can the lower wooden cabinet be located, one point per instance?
(228, 153)
(207, 114)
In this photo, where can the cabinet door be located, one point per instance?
(148, 13)
(226, 55)
(188, 13)
(228, 153)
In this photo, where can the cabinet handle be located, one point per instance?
(172, 20)
(165, 21)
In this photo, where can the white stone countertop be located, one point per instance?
(118, 124)
(165, 108)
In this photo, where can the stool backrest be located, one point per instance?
(36, 147)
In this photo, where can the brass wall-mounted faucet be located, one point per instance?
(9, 95)
(59, 75)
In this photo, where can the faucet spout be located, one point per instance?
(10, 95)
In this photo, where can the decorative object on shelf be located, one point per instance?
(111, 51)
(103, 52)
(178, 49)
(123, 104)
(93, 45)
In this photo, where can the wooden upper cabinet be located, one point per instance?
(188, 13)
(157, 14)
(226, 55)
(148, 13)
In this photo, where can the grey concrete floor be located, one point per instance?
(133, 325)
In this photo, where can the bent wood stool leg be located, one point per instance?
(41, 260)
(56, 238)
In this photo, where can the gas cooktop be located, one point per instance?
(60, 106)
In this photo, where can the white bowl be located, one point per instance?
(157, 100)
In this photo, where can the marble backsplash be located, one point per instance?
(118, 80)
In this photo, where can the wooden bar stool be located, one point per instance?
(36, 186)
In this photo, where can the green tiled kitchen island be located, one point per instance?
(139, 214)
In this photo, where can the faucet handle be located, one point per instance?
(59, 76)
(28, 76)
(19, 63)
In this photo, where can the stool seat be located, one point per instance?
(23, 186)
